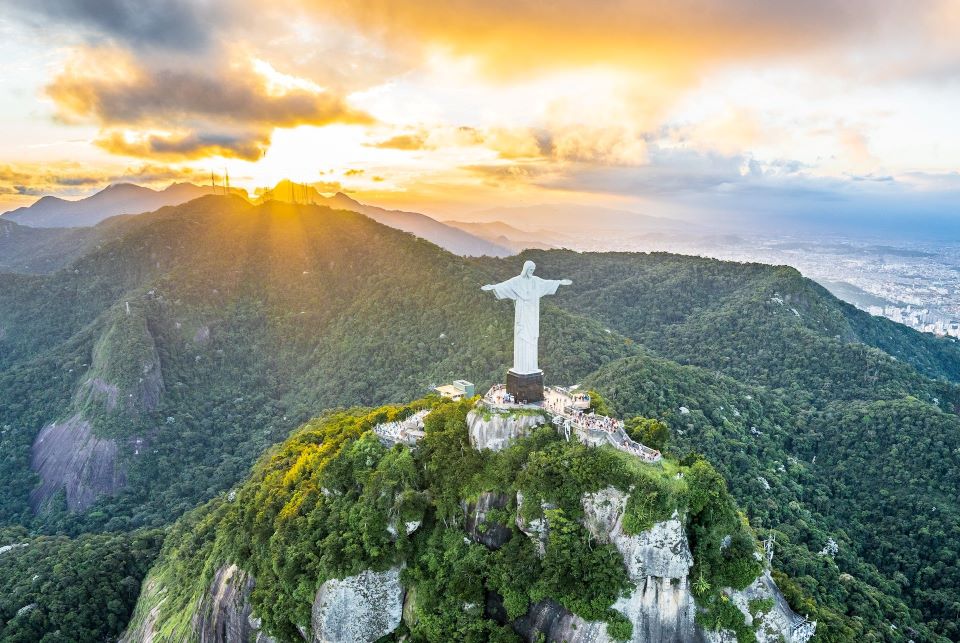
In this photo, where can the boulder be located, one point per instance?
(359, 608)
(479, 528)
(495, 431)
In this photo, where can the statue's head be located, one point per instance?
(528, 268)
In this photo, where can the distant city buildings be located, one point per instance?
(914, 283)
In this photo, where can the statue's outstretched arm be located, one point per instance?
(565, 282)
(487, 287)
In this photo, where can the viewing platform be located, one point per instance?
(570, 413)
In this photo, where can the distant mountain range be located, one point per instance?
(504, 234)
(450, 237)
(127, 198)
(119, 198)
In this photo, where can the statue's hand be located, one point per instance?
(488, 287)
(565, 282)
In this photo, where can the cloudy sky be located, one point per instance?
(697, 108)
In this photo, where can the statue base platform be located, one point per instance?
(526, 387)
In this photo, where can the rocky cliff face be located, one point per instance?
(225, 614)
(124, 385)
(549, 619)
(661, 551)
(68, 456)
(661, 606)
(778, 624)
(495, 432)
(357, 609)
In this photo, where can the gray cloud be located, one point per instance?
(163, 94)
(183, 25)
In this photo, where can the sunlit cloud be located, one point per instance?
(188, 113)
(74, 179)
(471, 103)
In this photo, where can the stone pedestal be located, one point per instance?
(525, 387)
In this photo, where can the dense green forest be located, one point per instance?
(58, 590)
(191, 339)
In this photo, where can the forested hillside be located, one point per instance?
(332, 501)
(146, 377)
(204, 333)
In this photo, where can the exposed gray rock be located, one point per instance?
(496, 431)
(222, 615)
(482, 530)
(537, 529)
(359, 608)
(97, 389)
(661, 609)
(5, 548)
(549, 620)
(68, 456)
(144, 630)
(409, 527)
(136, 382)
(661, 551)
(225, 614)
(779, 623)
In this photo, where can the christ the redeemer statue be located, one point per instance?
(525, 379)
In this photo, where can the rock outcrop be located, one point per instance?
(661, 609)
(537, 529)
(660, 606)
(661, 551)
(359, 608)
(68, 456)
(225, 614)
(552, 623)
(780, 623)
(480, 527)
(125, 382)
(495, 431)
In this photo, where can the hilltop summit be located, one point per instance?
(337, 537)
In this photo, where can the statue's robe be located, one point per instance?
(526, 292)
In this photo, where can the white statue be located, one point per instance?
(526, 290)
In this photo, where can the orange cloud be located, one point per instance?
(172, 112)
(403, 142)
(511, 37)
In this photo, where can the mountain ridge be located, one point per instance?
(115, 199)
(128, 198)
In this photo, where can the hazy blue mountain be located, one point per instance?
(119, 198)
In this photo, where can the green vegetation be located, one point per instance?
(59, 589)
(648, 431)
(319, 507)
(877, 477)
(260, 316)
(257, 317)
